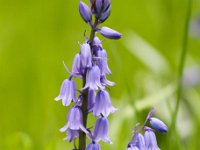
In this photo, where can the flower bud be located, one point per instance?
(85, 12)
(105, 15)
(158, 125)
(86, 56)
(110, 33)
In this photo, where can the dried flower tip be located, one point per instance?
(85, 12)
(157, 124)
(110, 33)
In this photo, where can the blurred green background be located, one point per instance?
(37, 35)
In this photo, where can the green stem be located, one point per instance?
(82, 135)
(182, 63)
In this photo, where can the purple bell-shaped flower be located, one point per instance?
(150, 140)
(67, 92)
(102, 62)
(102, 104)
(74, 120)
(76, 67)
(101, 130)
(93, 78)
(86, 56)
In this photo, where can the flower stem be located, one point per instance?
(182, 63)
(82, 135)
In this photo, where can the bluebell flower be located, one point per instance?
(158, 125)
(76, 67)
(86, 56)
(140, 141)
(109, 33)
(91, 99)
(67, 92)
(74, 120)
(102, 62)
(85, 12)
(71, 135)
(102, 104)
(96, 46)
(101, 130)
(93, 78)
(93, 146)
(150, 140)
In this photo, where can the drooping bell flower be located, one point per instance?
(74, 120)
(102, 62)
(103, 104)
(67, 92)
(101, 130)
(93, 78)
(150, 139)
(76, 67)
(158, 125)
(86, 56)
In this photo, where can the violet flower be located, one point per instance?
(102, 104)
(74, 120)
(93, 78)
(86, 56)
(67, 92)
(150, 140)
(102, 62)
(101, 130)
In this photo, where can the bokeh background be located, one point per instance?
(37, 35)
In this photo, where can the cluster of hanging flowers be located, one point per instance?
(90, 65)
(148, 140)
